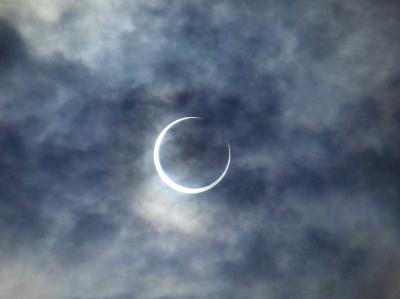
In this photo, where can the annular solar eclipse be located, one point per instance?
(167, 180)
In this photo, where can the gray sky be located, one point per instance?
(305, 92)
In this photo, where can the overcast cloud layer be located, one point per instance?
(306, 92)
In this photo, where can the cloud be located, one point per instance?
(306, 95)
(20, 280)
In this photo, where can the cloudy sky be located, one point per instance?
(307, 94)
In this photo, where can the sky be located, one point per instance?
(305, 92)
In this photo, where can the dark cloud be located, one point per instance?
(305, 93)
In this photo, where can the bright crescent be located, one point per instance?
(165, 177)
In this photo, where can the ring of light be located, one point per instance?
(164, 177)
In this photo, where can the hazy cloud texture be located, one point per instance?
(307, 93)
